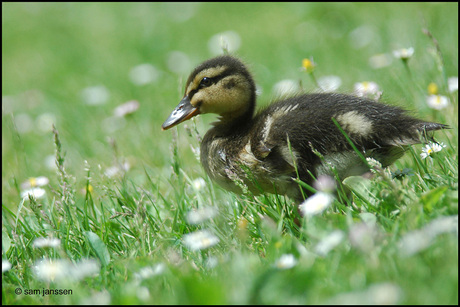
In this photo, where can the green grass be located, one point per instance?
(397, 239)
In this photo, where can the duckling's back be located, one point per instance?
(308, 118)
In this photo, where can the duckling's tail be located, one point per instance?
(426, 130)
(428, 126)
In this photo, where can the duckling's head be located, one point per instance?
(221, 85)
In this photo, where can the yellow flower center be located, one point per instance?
(242, 223)
(432, 88)
(33, 181)
(308, 65)
(90, 188)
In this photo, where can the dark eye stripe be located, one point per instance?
(224, 74)
(213, 80)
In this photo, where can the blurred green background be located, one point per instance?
(56, 55)
(75, 64)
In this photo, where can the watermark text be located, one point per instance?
(43, 292)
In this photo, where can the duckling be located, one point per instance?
(291, 138)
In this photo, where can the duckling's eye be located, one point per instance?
(205, 82)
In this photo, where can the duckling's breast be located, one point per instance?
(230, 162)
(215, 156)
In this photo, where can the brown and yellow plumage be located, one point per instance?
(264, 150)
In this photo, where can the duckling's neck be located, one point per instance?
(232, 123)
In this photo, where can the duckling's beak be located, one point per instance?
(182, 112)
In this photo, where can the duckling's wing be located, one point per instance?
(293, 129)
(308, 119)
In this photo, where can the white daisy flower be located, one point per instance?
(179, 11)
(362, 36)
(6, 265)
(286, 87)
(150, 271)
(444, 224)
(316, 204)
(199, 183)
(325, 183)
(50, 162)
(143, 74)
(95, 95)
(420, 239)
(404, 53)
(452, 83)
(52, 270)
(46, 242)
(437, 102)
(9, 104)
(45, 121)
(23, 123)
(380, 60)
(329, 242)
(384, 293)
(286, 261)
(62, 269)
(197, 216)
(178, 62)
(228, 40)
(366, 88)
(363, 236)
(329, 83)
(85, 268)
(431, 148)
(36, 193)
(115, 170)
(200, 239)
(33, 182)
(126, 108)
